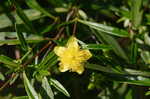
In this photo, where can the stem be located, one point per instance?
(74, 28)
(29, 51)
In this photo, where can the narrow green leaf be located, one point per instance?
(137, 72)
(22, 39)
(136, 13)
(106, 29)
(16, 42)
(8, 62)
(47, 88)
(30, 13)
(47, 29)
(123, 77)
(49, 60)
(139, 80)
(59, 86)
(99, 68)
(111, 70)
(112, 42)
(29, 88)
(147, 93)
(129, 94)
(33, 4)
(21, 97)
(147, 39)
(98, 47)
(2, 76)
(134, 51)
(94, 46)
(145, 55)
(24, 18)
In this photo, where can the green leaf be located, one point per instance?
(147, 39)
(107, 39)
(30, 13)
(22, 39)
(47, 88)
(29, 88)
(8, 62)
(59, 86)
(129, 94)
(21, 97)
(98, 47)
(136, 14)
(145, 55)
(139, 80)
(47, 29)
(2, 77)
(99, 68)
(123, 77)
(134, 52)
(94, 46)
(33, 4)
(24, 18)
(106, 29)
(49, 60)
(16, 42)
(147, 93)
(112, 70)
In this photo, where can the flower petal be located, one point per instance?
(84, 55)
(72, 43)
(63, 67)
(80, 69)
(59, 50)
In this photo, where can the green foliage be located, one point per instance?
(47, 88)
(29, 88)
(116, 32)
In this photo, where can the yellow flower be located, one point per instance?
(72, 57)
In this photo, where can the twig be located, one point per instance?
(7, 82)
(74, 28)
(46, 46)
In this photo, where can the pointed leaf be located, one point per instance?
(29, 88)
(134, 52)
(2, 76)
(136, 14)
(106, 29)
(21, 39)
(59, 86)
(113, 43)
(33, 4)
(24, 18)
(147, 93)
(21, 97)
(98, 47)
(135, 78)
(8, 61)
(47, 88)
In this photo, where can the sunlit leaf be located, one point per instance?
(106, 29)
(59, 86)
(8, 62)
(136, 13)
(47, 88)
(21, 97)
(24, 18)
(29, 88)
(2, 76)
(33, 4)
